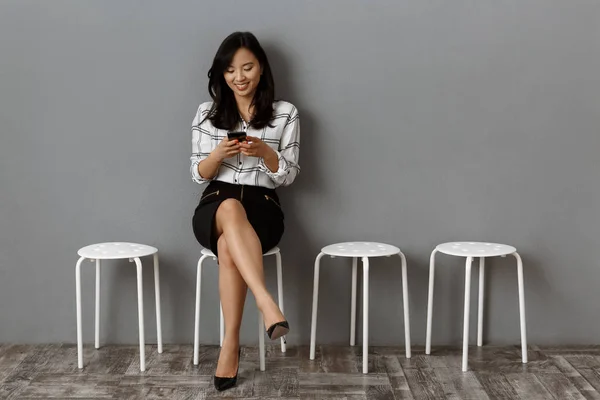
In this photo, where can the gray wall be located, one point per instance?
(422, 122)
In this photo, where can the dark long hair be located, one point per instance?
(224, 113)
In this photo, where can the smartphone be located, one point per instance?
(240, 136)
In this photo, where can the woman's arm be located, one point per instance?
(206, 160)
(209, 167)
(201, 146)
(282, 166)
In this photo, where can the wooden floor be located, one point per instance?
(50, 371)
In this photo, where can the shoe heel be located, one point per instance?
(278, 330)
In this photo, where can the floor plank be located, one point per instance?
(460, 385)
(560, 386)
(10, 357)
(343, 384)
(496, 385)
(582, 384)
(528, 386)
(276, 382)
(424, 384)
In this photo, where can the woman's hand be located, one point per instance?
(226, 148)
(254, 147)
(258, 148)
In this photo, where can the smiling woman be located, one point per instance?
(239, 215)
(243, 76)
(241, 65)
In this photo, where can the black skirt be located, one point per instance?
(262, 206)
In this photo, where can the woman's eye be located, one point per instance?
(248, 69)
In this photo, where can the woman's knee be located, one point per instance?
(229, 211)
(231, 208)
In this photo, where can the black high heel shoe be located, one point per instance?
(278, 330)
(224, 383)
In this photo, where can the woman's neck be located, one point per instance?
(244, 107)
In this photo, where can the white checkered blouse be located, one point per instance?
(283, 137)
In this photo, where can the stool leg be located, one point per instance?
(140, 291)
(157, 298)
(197, 312)
(406, 308)
(430, 301)
(78, 295)
(261, 342)
(221, 325)
(221, 319)
(466, 313)
(353, 300)
(480, 305)
(522, 307)
(313, 326)
(280, 293)
(97, 336)
(365, 261)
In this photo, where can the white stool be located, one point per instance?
(115, 251)
(473, 250)
(365, 250)
(206, 253)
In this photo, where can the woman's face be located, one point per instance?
(243, 75)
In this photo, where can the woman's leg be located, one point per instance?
(232, 289)
(246, 251)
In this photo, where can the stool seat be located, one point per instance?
(209, 252)
(360, 249)
(116, 250)
(475, 249)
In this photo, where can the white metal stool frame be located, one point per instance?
(472, 250)
(372, 250)
(206, 253)
(115, 251)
